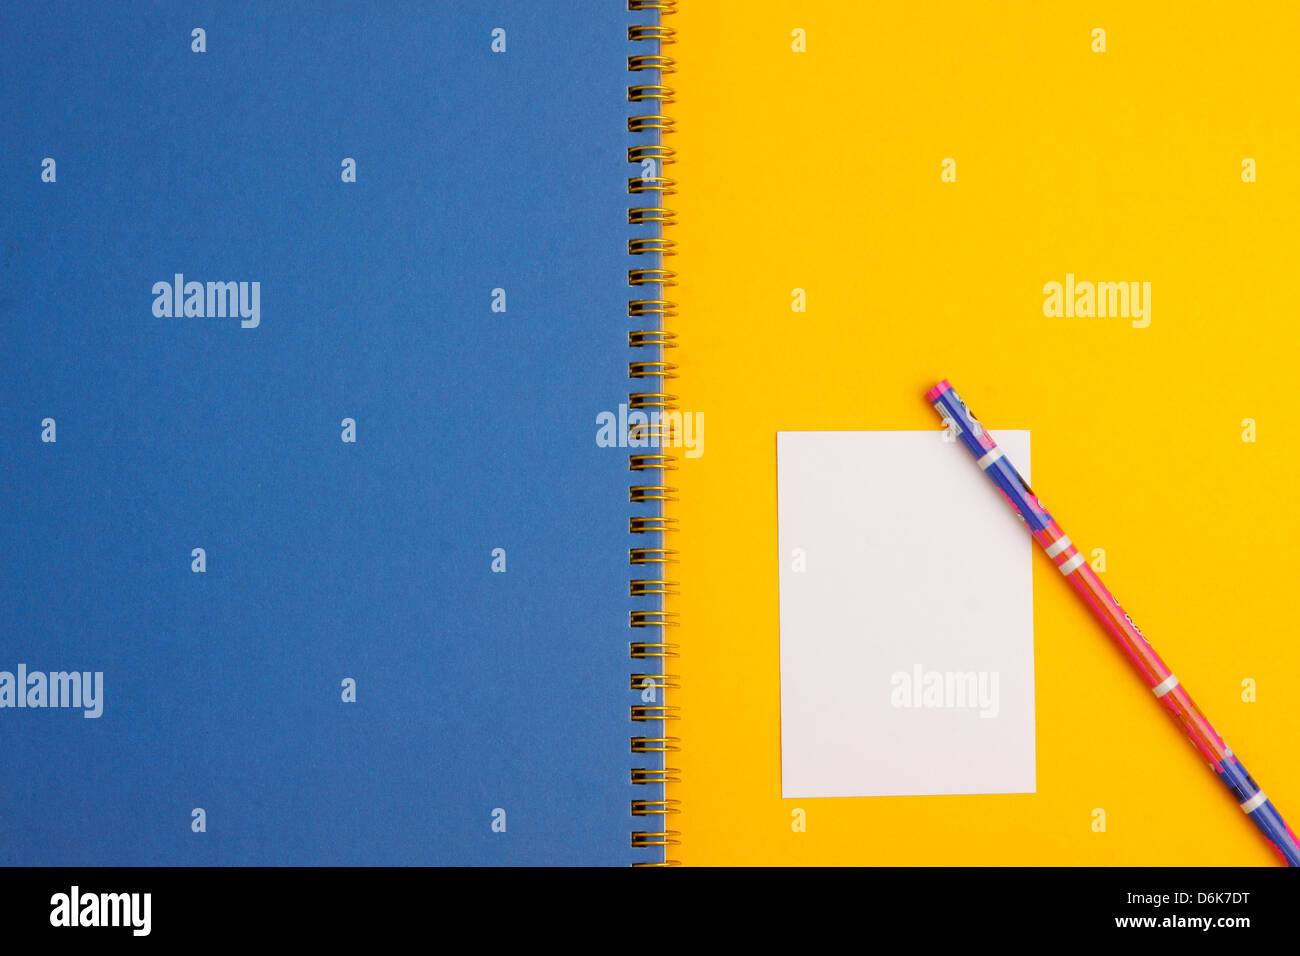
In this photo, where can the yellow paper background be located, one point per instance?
(821, 170)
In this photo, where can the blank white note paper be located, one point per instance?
(907, 642)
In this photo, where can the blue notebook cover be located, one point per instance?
(331, 533)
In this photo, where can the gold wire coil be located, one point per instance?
(641, 493)
(651, 370)
(652, 31)
(660, 434)
(650, 400)
(651, 524)
(665, 7)
(652, 649)
(651, 463)
(652, 61)
(648, 587)
(651, 91)
(655, 745)
(646, 215)
(661, 277)
(644, 775)
(654, 435)
(655, 808)
(662, 307)
(655, 403)
(658, 152)
(652, 184)
(650, 618)
(659, 681)
(654, 712)
(650, 121)
(651, 556)
(651, 246)
(652, 338)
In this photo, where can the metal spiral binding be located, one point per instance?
(651, 371)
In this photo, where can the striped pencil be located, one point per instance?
(1057, 546)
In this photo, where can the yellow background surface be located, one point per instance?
(821, 170)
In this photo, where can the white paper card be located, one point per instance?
(907, 639)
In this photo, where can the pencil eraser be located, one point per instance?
(938, 390)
